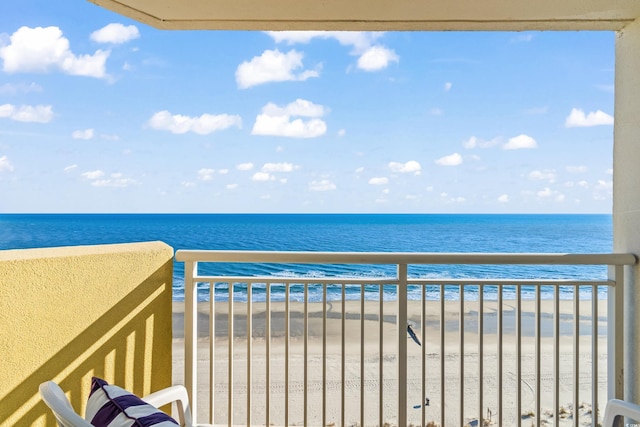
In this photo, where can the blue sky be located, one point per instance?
(99, 113)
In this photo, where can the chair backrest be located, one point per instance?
(56, 400)
(621, 408)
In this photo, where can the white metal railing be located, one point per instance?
(491, 393)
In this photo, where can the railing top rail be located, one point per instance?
(184, 255)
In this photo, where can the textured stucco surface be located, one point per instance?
(69, 313)
(626, 190)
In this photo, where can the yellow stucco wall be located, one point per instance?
(70, 313)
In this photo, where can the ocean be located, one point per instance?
(333, 232)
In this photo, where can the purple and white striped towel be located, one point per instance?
(112, 406)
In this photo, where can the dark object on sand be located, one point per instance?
(426, 403)
(413, 335)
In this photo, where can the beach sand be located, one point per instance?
(353, 387)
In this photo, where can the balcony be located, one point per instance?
(546, 347)
(334, 349)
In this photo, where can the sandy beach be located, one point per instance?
(352, 387)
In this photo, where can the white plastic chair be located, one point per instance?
(57, 401)
(620, 408)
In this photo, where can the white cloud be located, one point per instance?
(231, 186)
(377, 58)
(548, 193)
(27, 113)
(244, 166)
(520, 142)
(277, 121)
(322, 185)
(577, 118)
(83, 134)
(115, 33)
(577, 169)
(93, 174)
(410, 167)
(379, 181)
(13, 89)
(342, 133)
(359, 170)
(262, 176)
(372, 56)
(603, 185)
(436, 111)
(203, 125)
(522, 38)
(475, 142)
(603, 190)
(223, 171)
(504, 198)
(272, 66)
(109, 137)
(454, 159)
(5, 164)
(545, 193)
(70, 168)
(543, 175)
(115, 180)
(205, 174)
(188, 184)
(42, 49)
(278, 167)
(360, 41)
(447, 86)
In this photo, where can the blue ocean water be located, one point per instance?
(332, 232)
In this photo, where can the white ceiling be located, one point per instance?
(504, 15)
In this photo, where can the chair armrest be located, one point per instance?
(177, 394)
(616, 407)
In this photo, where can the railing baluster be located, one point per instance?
(556, 356)
(249, 350)
(499, 329)
(538, 355)
(287, 297)
(306, 352)
(381, 358)
(461, 349)
(442, 334)
(615, 332)
(212, 348)
(401, 295)
(480, 354)
(191, 335)
(423, 327)
(324, 354)
(342, 354)
(576, 354)
(267, 326)
(594, 356)
(519, 355)
(362, 316)
(230, 357)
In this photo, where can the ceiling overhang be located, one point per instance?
(369, 15)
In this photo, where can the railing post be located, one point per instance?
(402, 344)
(615, 334)
(191, 336)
